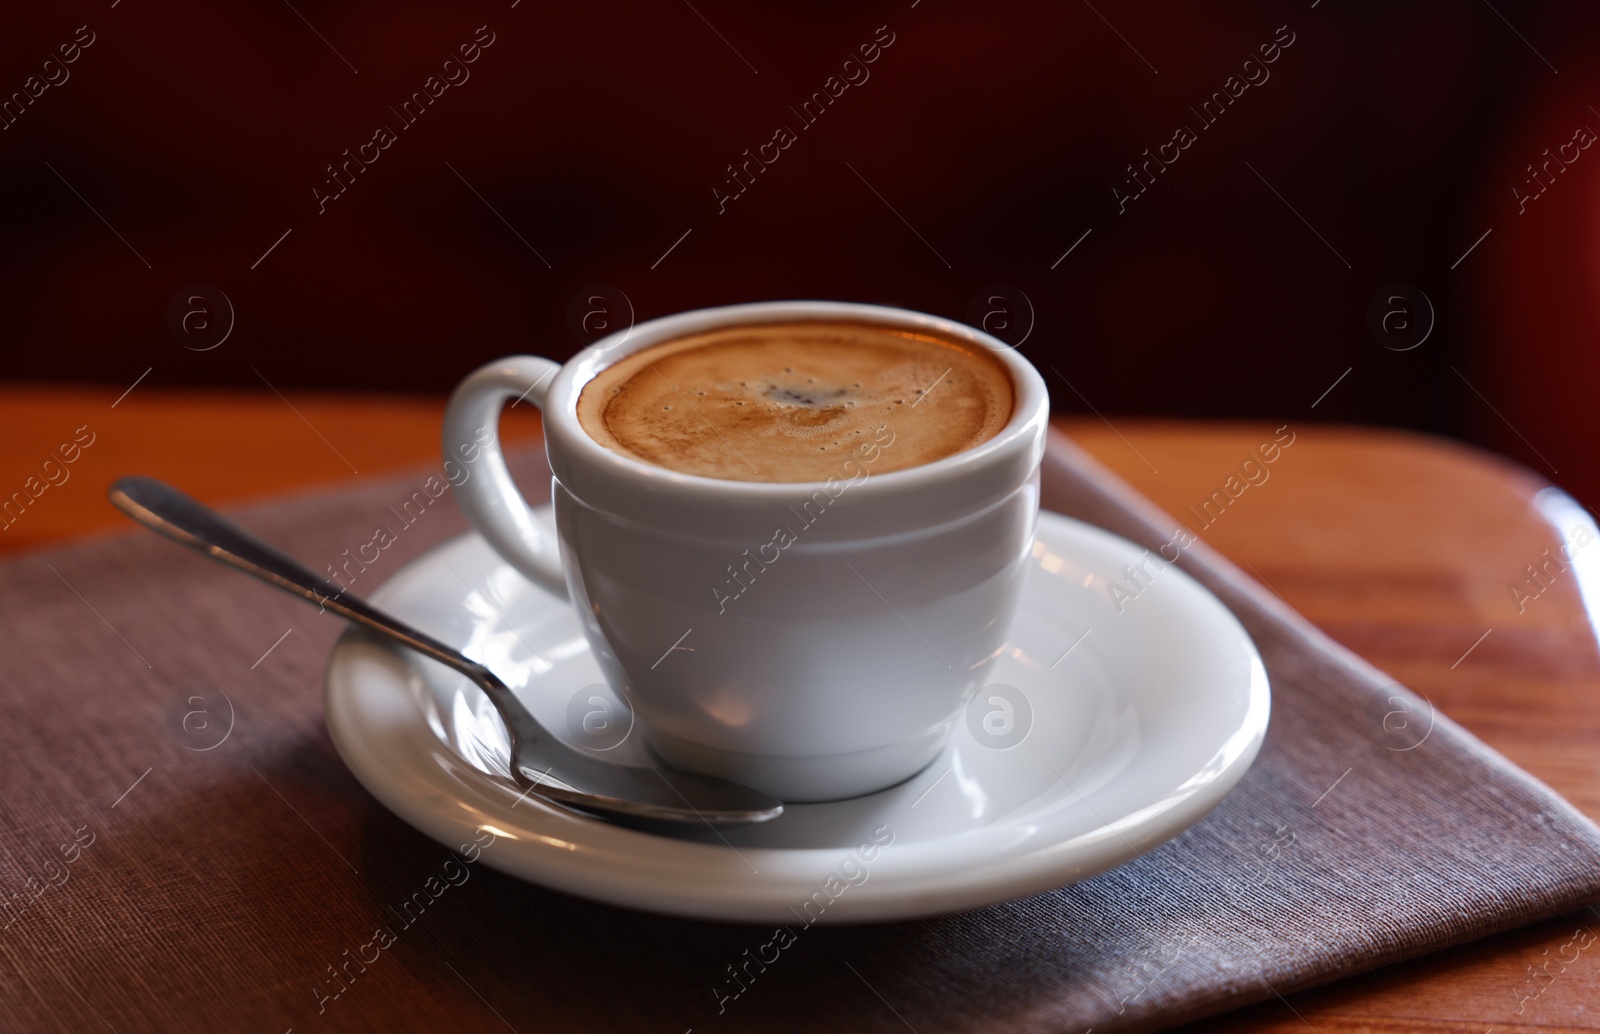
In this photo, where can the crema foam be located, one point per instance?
(790, 402)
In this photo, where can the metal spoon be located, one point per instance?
(541, 762)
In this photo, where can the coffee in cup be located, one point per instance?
(786, 402)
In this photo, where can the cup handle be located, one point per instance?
(487, 494)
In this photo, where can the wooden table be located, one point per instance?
(1403, 548)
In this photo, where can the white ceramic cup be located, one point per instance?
(813, 640)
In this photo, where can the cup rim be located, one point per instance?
(1030, 404)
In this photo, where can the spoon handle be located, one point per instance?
(162, 508)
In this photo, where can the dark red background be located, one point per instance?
(598, 132)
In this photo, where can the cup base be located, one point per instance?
(808, 779)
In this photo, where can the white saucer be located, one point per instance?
(1140, 722)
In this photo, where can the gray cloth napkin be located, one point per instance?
(180, 847)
